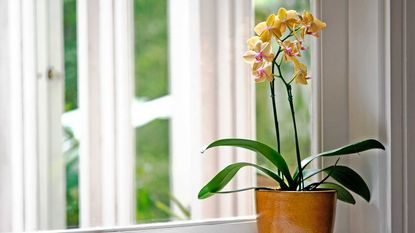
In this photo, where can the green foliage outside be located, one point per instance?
(71, 93)
(71, 76)
(152, 171)
(151, 54)
(302, 96)
(152, 140)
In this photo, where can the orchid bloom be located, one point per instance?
(300, 72)
(266, 29)
(261, 52)
(291, 49)
(286, 19)
(250, 43)
(311, 25)
(262, 73)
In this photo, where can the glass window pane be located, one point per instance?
(153, 195)
(151, 66)
(71, 143)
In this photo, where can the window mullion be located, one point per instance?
(90, 158)
(123, 60)
(105, 95)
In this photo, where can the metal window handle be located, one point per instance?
(53, 74)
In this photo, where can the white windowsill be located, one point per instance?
(227, 225)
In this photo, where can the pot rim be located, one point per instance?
(303, 192)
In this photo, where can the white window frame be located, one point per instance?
(364, 51)
(389, 70)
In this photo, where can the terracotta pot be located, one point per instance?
(295, 212)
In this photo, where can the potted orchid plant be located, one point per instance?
(298, 202)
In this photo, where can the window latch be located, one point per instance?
(53, 74)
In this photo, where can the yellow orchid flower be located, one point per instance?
(262, 73)
(300, 72)
(291, 49)
(286, 19)
(267, 29)
(261, 52)
(251, 42)
(311, 25)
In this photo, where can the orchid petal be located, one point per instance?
(266, 36)
(259, 28)
(266, 48)
(270, 20)
(249, 56)
(251, 42)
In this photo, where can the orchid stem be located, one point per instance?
(274, 107)
(290, 100)
(297, 146)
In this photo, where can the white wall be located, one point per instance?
(364, 89)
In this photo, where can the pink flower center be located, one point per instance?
(260, 72)
(288, 51)
(259, 57)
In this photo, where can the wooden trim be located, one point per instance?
(105, 95)
(16, 116)
(409, 113)
(124, 80)
(401, 114)
(88, 97)
(330, 88)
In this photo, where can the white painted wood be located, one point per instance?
(107, 107)
(225, 84)
(330, 88)
(36, 195)
(244, 102)
(6, 165)
(394, 88)
(400, 85)
(88, 101)
(185, 86)
(42, 40)
(105, 97)
(366, 110)
(124, 79)
(208, 54)
(51, 170)
(378, 105)
(409, 56)
(29, 85)
(11, 177)
(16, 116)
(230, 225)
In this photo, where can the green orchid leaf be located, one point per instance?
(342, 193)
(350, 180)
(223, 177)
(345, 150)
(273, 156)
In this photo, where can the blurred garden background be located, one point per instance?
(153, 198)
